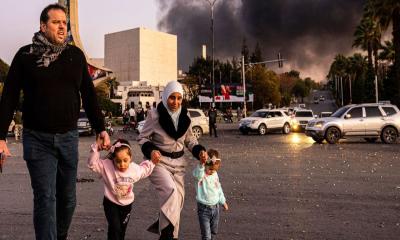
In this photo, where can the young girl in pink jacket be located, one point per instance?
(119, 173)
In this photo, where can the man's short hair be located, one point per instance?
(44, 16)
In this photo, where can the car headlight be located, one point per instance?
(319, 124)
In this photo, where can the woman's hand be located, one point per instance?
(155, 156)
(203, 157)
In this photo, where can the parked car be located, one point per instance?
(301, 118)
(199, 123)
(302, 105)
(316, 100)
(265, 119)
(369, 121)
(321, 98)
(84, 126)
(324, 114)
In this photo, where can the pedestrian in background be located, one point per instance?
(239, 113)
(212, 121)
(54, 78)
(132, 114)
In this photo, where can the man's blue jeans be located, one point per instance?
(208, 219)
(52, 161)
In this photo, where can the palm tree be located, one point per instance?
(357, 69)
(387, 53)
(386, 12)
(368, 37)
(337, 72)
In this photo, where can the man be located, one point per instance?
(212, 121)
(53, 76)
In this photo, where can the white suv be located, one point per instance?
(264, 119)
(369, 121)
(199, 122)
(301, 118)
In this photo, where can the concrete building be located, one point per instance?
(141, 59)
(142, 55)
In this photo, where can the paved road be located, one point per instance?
(323, 106)
(278, 187)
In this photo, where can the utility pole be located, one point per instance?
(376, 89)
(351, 95)
(244, 88)
(212, 3)
(341, 88)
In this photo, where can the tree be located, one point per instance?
(245, 51)
(256, 56)
(357, 69)
(287, 83)
(112, 84)
(338, 71)
(388, 12)
(3, 70)
(300, 90)
(368, 36)
(387, 53)
(265, 87)
(236, 74)
(294, 73)
(201, 69)
(102, 92)
(192, 90)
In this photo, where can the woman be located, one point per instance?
(166, 131)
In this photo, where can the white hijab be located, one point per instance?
(172, 87)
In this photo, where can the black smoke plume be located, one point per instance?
(309, 33)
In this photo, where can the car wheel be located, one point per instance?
(286, 128)
(318, 139)
(389, 135)
(332, 135)
(262, 129)
(197, 132)
(371, 140)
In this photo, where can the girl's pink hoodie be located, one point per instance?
(118, 186)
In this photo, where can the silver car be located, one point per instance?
(369, 121)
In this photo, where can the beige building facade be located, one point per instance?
(142, 55)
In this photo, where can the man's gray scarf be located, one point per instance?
(45, 50)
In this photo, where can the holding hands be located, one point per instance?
(155, 156)
(203, 156)
(103, 140)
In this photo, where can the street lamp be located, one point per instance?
(212, 3)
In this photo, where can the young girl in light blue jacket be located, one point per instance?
(209, 195)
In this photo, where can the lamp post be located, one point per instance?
(212, 3)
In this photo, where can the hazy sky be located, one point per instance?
(19, 19)
(309, 33)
